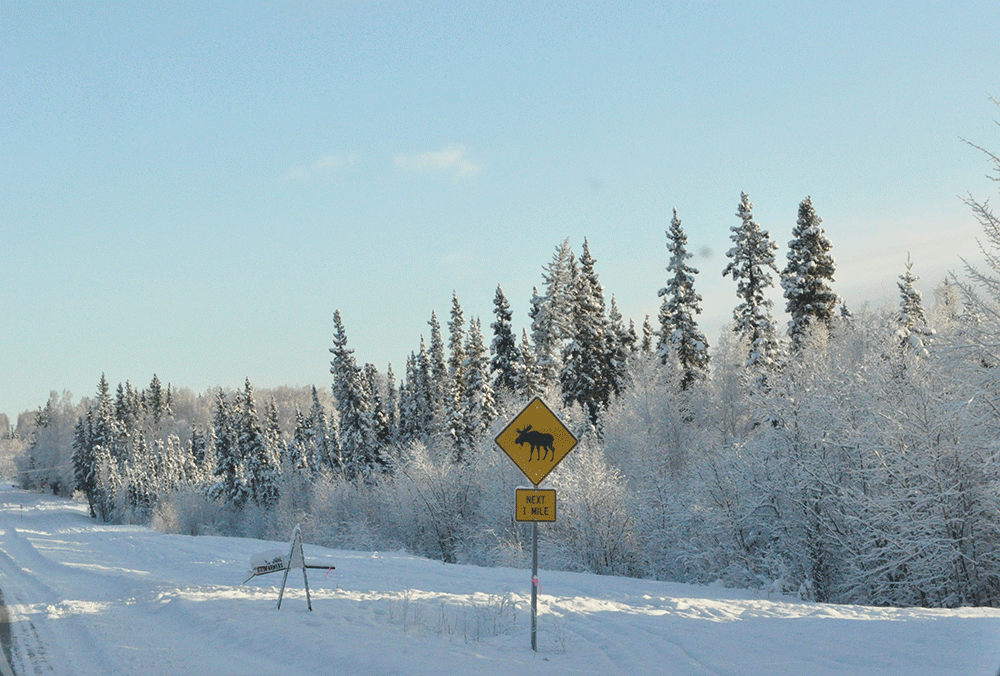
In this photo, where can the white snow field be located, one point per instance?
(90, 599)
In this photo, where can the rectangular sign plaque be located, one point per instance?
(535, 504)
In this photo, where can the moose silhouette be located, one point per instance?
(537, 440)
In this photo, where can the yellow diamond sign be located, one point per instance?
(536, 440)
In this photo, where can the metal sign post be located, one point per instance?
(534, 505)
(534, 586)
(536, 441)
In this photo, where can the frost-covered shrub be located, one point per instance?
(189, 511)
(347, 514)
(594, 530)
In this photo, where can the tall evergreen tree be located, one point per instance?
(619, 342)
(231, 484)
(392, 403)
(455, 386)
(84, 465)
(646, 346)
(527, 368)
(546, 358)
(585, 378)
(378, 450)
(157, 401)
(751, 257)
(260, 467)
(353, 407)
(297, 458)
(505, 355)
(128, 406)
(198, 444)
(478, 398)
(268, 468)
(321, 442)
(679, 332)
(408, 402)
(914, 333)
(416, 407)
(551, 315)
(456, 339)
(105, 437)
(437, 385)
(807, 276)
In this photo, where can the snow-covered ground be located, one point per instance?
(85, 598)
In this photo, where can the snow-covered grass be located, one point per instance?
(88, 598)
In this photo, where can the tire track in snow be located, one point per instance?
(5, 639)
(31, 597)
(694, 660)
(619, 649)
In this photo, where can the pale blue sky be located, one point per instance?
(193, 189)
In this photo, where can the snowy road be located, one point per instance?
(86, 598)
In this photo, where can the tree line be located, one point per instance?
(850, 460)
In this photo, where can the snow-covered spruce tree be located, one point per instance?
(455, 385)
(646, 346)
(299, 457)
(84, 466)
(198, 444)
(407, 424)
(679, 331)
(619, 344)
(527, 368)
(391, 404)
(416, 409)
(914, 333)
(456, 339)
(156, 401)
(750, 259)
(321, 439)
(230, 486)
(551, 315)
(261, 462)
(94, 434)
(312, 448)
(505, 355)
(137, 491)
(129, 414)
(585, 378)
(437, 385)
(807, 276)
(268, 471)
(353, 407)
(381, 435)
(478, 398)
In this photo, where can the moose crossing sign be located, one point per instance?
(536, 440)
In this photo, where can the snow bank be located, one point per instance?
(88, 598)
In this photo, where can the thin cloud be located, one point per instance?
(451, 159)
(325, 165)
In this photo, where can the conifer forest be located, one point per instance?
(850, 456)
